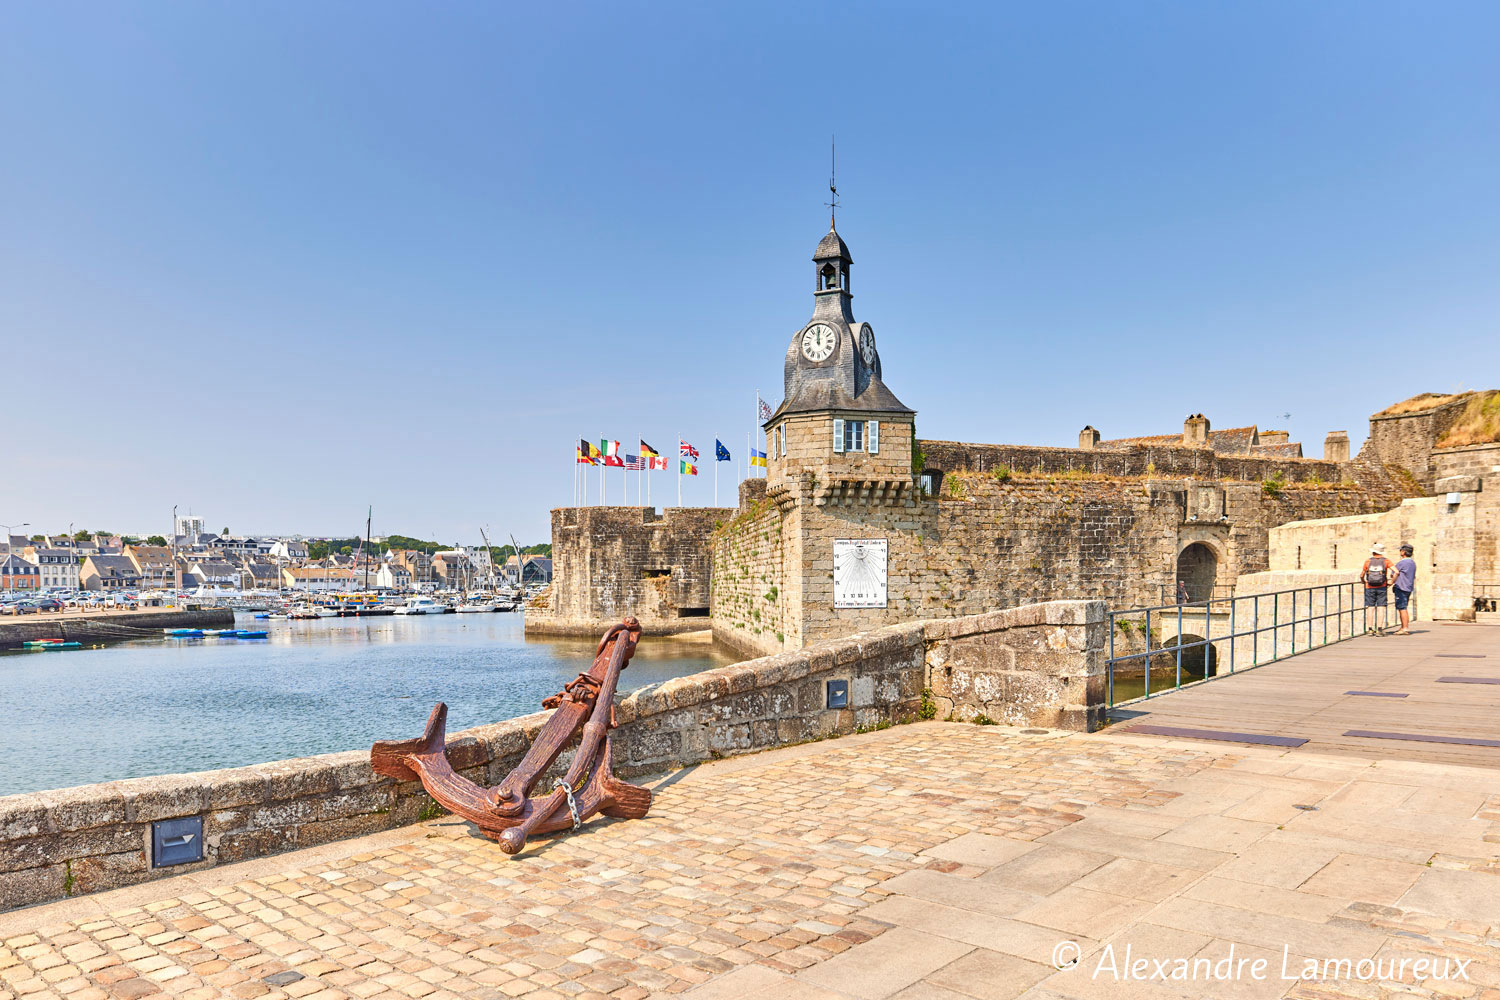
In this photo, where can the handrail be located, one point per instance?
(1294, 613)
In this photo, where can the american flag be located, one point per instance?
(765, 408)
(635, 462)
(685, 449)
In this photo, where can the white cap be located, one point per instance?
(1377, 549)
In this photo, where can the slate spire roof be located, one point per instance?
(831, 247)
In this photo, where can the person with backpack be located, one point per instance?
(1376, 575)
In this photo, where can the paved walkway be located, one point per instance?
(928, 862)
(1409, 683)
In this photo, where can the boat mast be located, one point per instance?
(369, 516)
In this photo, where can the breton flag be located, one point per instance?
(647, 451)
(635, 463)
(721, 453)
(764, 409)
(757, 458)
(686, 450)
(687, 468)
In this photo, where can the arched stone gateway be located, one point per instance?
(1197, 568)
(1198, 662)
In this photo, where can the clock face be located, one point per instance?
(867, 345)
(818, 342)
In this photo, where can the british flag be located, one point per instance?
(686, 450)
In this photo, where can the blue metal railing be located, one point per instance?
(1244, 632)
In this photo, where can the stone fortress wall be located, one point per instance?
(610, 562)
(1476, 466)
(1407, 434)
(1014, 525)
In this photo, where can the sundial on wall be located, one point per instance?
(859, 572)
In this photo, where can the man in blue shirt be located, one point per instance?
(1402, 586)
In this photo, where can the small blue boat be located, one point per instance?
(185, 633)
(263, 615)
(246, 633)
(58, 645)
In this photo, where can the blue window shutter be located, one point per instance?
(838, 435)
(874, 433)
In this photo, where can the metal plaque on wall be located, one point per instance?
(859, 572)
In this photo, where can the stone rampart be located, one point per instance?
(1038, 665)
(612, 562)
(1408, 439)
(1156, 461)
(1002, 539)
(1480, 462)
(107, 626)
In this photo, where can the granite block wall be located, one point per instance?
(612, 562)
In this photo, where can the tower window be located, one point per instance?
(854, 435)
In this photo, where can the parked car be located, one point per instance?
(48, 604)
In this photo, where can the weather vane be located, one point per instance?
(833, 188)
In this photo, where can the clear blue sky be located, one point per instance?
(278, 261)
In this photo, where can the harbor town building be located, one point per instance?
(861, 523)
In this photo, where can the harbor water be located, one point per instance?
(161, 706)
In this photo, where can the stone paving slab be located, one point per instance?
(925, 862)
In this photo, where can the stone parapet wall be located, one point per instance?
(1160, 461)
(1039, 666)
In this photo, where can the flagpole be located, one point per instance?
(716, 472)
(679, 468)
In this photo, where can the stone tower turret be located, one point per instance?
(839, 430)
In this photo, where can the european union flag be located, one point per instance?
(721, 453)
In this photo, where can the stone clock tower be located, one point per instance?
(840, 436)
(839, 473)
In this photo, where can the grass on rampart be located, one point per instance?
(1478, 424)
(1419, 403)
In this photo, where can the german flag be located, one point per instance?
(649, 452)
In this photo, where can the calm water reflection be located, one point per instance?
(162, 706)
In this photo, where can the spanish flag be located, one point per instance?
(586, 459)
(688, 468)
(649, 452)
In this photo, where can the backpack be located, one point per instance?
(1375, 572)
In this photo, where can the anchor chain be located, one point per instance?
(572, 805)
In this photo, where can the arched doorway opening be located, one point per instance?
(1197, 568)
(1199, 661)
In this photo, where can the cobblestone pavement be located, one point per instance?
(928, 862)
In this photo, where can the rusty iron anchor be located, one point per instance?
(508, 813)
